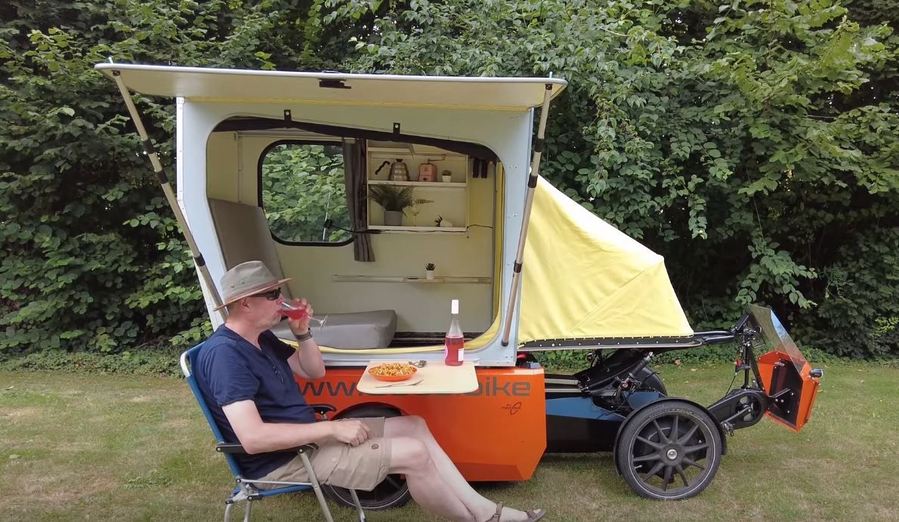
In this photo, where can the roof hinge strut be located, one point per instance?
(525, 218)
(167, 188)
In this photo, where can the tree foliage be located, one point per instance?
(739, 139)
(752, 143)
(92, 258)
(302, 186)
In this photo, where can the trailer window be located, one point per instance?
(303, 188)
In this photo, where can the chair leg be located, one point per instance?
(316, 487)
(358, 505)
(246, 513)
(228, 506)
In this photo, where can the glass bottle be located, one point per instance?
(454, 341)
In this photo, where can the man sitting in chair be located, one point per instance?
(246, 375)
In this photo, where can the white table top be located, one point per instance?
(434, 378)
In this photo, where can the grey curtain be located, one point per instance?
(354, 164)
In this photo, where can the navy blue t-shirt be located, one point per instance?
(230, 369)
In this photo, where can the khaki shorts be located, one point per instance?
(360, 467)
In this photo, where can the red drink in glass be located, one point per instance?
(291, 311)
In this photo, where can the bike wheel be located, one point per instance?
(391, 492)
(670, 450)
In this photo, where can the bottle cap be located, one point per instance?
(454, 306)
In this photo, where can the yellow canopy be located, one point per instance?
(583, 278)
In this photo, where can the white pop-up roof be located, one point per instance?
(245, 86)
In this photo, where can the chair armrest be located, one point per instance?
(228, 447)
(234, 448)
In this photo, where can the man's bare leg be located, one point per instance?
(426, 485)
(481, 508)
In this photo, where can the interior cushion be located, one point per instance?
(358, 330)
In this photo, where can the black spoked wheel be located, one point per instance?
(391, 492)
(669, 451)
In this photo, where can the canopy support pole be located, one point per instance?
(167, 189)
(525, 218)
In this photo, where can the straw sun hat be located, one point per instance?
(246, 279)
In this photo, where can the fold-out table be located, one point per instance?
(434, 378)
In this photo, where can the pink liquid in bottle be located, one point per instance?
(454, 342)
(453, 347)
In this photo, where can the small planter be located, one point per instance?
(447, 179)
(394, 201)
(393, 218)
(429, 274)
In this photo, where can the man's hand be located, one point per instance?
(300, 326)
(350, 431)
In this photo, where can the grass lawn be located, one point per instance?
(118, 447)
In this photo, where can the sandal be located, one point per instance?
(499, 512)
(533, 514)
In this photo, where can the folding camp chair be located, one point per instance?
(246, 489)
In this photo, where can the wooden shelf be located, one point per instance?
(449, 200)
(422, 184)
(340, 278)
(392, 228)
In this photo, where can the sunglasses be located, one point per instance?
(271, 295)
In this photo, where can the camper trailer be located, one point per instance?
(386, 197)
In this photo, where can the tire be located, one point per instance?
(669, 450)
(652, 381)
(392, 492)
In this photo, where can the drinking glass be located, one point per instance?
(295, 312)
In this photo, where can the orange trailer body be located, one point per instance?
(497, 433)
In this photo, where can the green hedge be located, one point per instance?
(754, 144)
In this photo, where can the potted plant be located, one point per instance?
(447, 176)
(429, 271)
(442, 222)
(394, 201)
